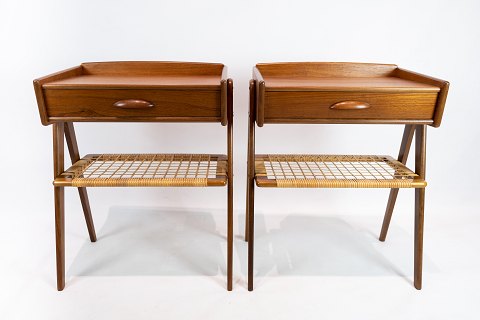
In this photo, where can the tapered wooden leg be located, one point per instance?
(230, 185)
(392, 198)
(251, 209)
(59, 200)
(60, 235)
(82, 192)
(418, 256)
(230, 237)
(247, 198)
(250, 153)
(247, 206)
(71, 139)
(420, 168)
(249, 225)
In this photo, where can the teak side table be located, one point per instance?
(135, 92)
(349, 93)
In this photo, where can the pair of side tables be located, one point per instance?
(301, 93)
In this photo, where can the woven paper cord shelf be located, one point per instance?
(146, 170)
(333, 171)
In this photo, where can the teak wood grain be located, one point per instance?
(59, 200)
(99, 104)
(133, 91)
(363, 84)
(405, 145)
(325, 69)
(250, 206)
(420, 168)
(442, 95)
(317, 105)
(310, 92)
(71, 139)
(136, 81)
(148, 68)
(177, 91)
(303, 93)
(230, 184)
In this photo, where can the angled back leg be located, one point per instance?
(420, 165)
(230, 184)
(392, 198)
(59, 195)
(250, 152)
(249, 223)
(75, 156)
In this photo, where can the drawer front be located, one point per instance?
(132, 105)
(284, 106)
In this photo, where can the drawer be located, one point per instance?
(147, 105)
(313, 106)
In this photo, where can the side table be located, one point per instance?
(135, 92)
(349, 93)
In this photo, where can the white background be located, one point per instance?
(316, 253)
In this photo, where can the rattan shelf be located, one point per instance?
(333, 171)
(146, 170)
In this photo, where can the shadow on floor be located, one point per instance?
(153, 241)
(166, 241)
(303, 245)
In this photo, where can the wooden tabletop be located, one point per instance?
(136, 81)
(364, 84)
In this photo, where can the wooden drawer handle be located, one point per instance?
(133, 104)
(350, 105)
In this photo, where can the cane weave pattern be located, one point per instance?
(333, 171)
(144, 170)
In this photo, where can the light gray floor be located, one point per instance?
(152, 263)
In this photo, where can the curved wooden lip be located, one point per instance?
(350, 105)
(133, 104)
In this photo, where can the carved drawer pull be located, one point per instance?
(133, 104)
(350, 105)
